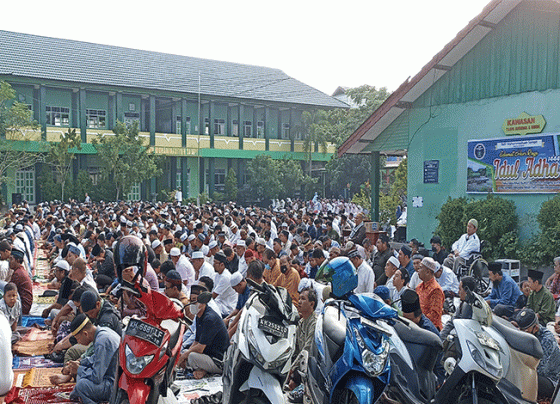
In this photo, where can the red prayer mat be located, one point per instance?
(39, 395)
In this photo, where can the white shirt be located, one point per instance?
(242, 266)
(5, 274)
(227, 297)
(206, 270)
(448, 280)
(466, 245)
(414, 281)
(186, 270)
(366, 279)
(390, 285)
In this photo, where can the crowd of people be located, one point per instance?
(203, 257)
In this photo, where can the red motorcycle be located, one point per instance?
(151, 346)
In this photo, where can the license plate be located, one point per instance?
(145, 331)
(275, 329)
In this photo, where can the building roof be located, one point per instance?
(24, 55)
(413, 88)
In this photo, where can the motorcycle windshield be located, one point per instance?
(371, 306)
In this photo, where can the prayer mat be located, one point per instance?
(29, 321)
(33, 348)
(44, 299)
(40, 395)
(41, 377)
(30, 362)
(37, 334)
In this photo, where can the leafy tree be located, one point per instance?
(125, 160)
(230, 187)
(264, 177)
(353, 169)
(62, 154)
(15, 118)
(342, 123)
(292, 177)
(314, 130)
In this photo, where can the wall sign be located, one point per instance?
(522, 164)
(524, 124)
(431, 171)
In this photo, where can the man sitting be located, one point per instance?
(211, 341)
(464, 311)
(468, 243)
(540, 300)
(96, 373)
(547, 369)
(505, 291)
(430, 293)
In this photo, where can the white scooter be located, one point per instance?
(260, 354)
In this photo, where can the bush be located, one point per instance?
(497, 224)
(542, 248)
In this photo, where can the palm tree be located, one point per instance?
(313, 129)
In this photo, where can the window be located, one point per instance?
(95, 175)
(247, 128)
(131, 117)
(58, 116)
(96, 118)
(206, 126)
(260, 129)
(178, 174)
(219, 179)
(188, 125)
(219, 127)
(235, 128)
(285, 131)
(134, 194)
(25, 184)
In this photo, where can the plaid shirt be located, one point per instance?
(431, 301)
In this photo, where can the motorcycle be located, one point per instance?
(479, 363)
(260, 354)
(149, 351)
(348, 362)
(151, 346)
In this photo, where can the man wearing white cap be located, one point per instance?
(183, 266)
(235, 234)
(160, 252)
(239, 284)
(240, 249)
(430, 292)
(201, 267)
(213, 249)
(390, 268)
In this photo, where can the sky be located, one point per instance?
(324, 44)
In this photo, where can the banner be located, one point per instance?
(523, 164)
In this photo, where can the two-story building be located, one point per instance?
(204, 116)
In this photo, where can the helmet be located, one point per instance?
(342, 275)
(130, 251)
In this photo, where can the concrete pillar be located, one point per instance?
(375, 183)
(119, 106)
(83, 117)
(211, 116)
(184, 123)
(152, 120)
(211, 185)
(240, 125)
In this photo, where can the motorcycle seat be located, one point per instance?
(518, 340)
(410, 332)
(334, 325)
(174, 328)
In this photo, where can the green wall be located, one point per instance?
(445, 137)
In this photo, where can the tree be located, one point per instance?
(314, 130)
(62, 154)
(15, 120)
(350, 169)
(292, 177)
(264, 177)
(230, 187)
(125, 160)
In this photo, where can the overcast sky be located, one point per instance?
(324, 43)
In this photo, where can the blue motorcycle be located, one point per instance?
(349, 358)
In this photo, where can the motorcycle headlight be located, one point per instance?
(253, 348)
(135, 364)
(486, 340)
(373, 363)
(480, 361)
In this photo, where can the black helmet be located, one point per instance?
(130, 251)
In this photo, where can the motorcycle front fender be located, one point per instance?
(362, 387)
(137, 390)
(265, 382)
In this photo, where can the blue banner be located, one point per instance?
(522, 164)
